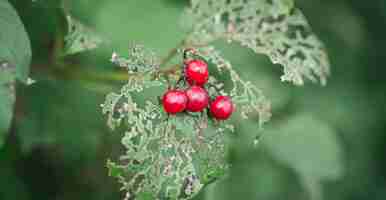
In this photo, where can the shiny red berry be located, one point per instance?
(198, 99)
(174, 101)
(221, 108)
(196, 72)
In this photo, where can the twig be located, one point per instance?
(172, 53)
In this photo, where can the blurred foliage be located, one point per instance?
(15, 57)
(58, 143)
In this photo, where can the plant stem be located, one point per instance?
(172, 53)
(79, 73)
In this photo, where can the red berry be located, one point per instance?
(221, 108)
(174, 101)
(198, 99)
(196, 72)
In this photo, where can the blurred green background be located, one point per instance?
(322, 142)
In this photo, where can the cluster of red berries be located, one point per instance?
(195, 98)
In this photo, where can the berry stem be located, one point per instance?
(186, 51)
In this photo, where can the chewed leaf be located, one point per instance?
(80, 37)
(247, 96)
(270, 27)
(166, 157)
(139, 60)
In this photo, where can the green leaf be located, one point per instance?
(80, 37)
(7, 98)
(273, 28)
(165, 158)
(15, 56)
(15, 46)
(309, 146)
(114, 169)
